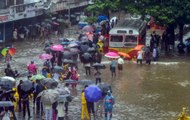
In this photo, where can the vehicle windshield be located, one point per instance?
(116, 39)
(131, 41)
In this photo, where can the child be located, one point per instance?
(98, 78)
(60, 110)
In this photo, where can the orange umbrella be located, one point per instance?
(124, 55)
(138, 47)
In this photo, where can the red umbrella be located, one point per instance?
(45, 56)
(88, 28)
(125, 55)
(57, 47)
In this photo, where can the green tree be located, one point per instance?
(166, 12)
(105, 7)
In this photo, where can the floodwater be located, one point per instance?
(142, 92)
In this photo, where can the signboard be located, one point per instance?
(3, 18)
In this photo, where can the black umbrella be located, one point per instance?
(84, 48)
(58, 69)
(27, 86)
(104, 87)
(84, 41)
(70, 81)
(87, 56)
(91, 49)
(49, 83)
(99, 65)
(68, 61)
(7, 82)
(6, 104)
(67, 54)
(85, 82)
(74, 50)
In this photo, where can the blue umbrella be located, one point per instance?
(93, 93)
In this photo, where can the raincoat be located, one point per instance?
(84, 111)
(108, 103)
(32, 69)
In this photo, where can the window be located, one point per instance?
(132, 39)
(2, 4)
(116, 39)
(10, 2)
(19, 2)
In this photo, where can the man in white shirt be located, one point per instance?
(60, 110)
(120, 62)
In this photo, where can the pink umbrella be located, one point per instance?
(88, 28)
(112, 55)
(45, 56)
(90, 35)
(57, 47)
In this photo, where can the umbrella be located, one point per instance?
(58, 69)
(62, 91)
(93, 93)
(11, 51)
(37, 77)
(67, 54)
(60, 20)
(7, 82)
(104, 87)
(45, 56)
(138, 47)
(99, 65)
(6, 104)
(88, 28)
(49, 96)
(68, 61)
(49, 83)
(27, 86)
(87, 56)
(91, 49)
(74, 50)
(112, 55)
(7, 78)
(63, 97)
(84, 48)
(57, 47)
(72, 45)
(55, 23)
(65, 43)
(48, 20)
(85, 82)
(125, 55)
(70, 81)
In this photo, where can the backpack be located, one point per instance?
(69, 98)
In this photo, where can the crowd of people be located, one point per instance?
(89, 54)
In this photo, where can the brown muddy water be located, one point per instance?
(142, 92)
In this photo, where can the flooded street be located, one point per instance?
(142, 92)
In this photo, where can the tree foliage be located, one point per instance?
(166, 12)
(104, 6)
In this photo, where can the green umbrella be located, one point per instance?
(37, 77)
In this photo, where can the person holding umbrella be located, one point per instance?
(19, 93)
(98, 76)
(39, 88)
(25, 103)
(113, 68)
(84, 111)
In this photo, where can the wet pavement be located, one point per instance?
(142, 92)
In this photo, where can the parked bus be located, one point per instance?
(126, 35)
